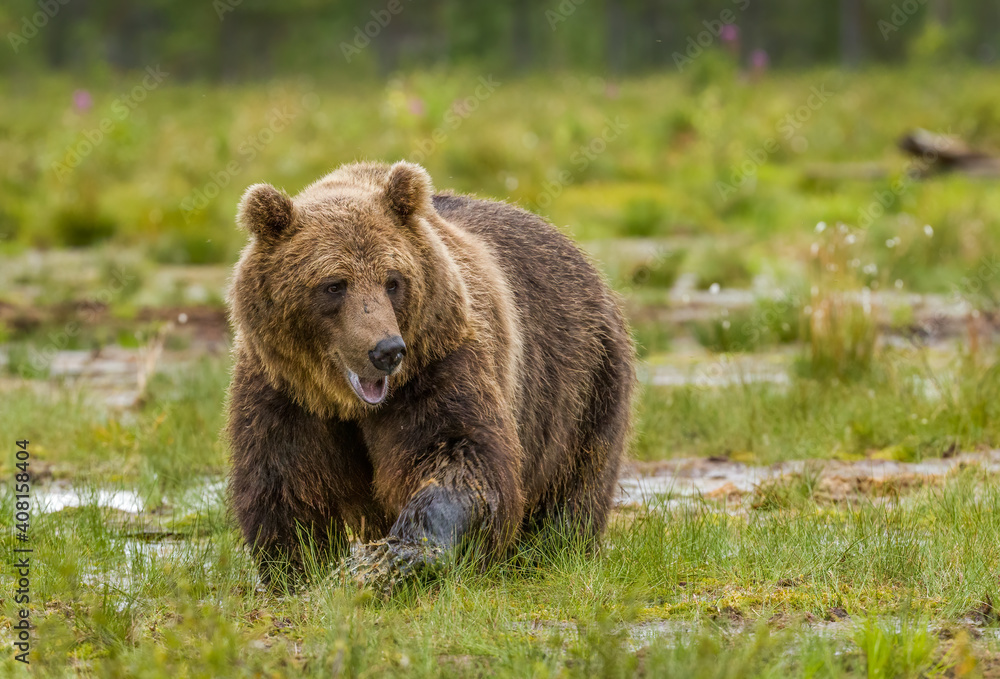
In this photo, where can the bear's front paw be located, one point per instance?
(385, 564)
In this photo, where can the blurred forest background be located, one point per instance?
(232, 40)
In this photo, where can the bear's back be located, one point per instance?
(546, 271)
(576, 345)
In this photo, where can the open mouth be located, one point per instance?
(371, 392)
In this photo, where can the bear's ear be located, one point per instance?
(265, 212)
(408, 189)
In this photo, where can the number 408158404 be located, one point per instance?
(21, 487)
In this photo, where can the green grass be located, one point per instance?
(745, 592)
(750, 590)
(142, 183)
(173, 438)
(902, 409)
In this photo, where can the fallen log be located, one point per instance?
(939, 153)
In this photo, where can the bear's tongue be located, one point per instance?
(370, 391)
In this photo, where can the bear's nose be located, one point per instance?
(388, 353)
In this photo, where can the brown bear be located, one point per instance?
(418, 369)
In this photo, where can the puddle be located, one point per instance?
(47, 499)
(116, 376)
(688, 364)
(143, 537)
(712, 478)
(670, 481)
(110, 363)
(112, 376)
(716, 373)
(644, 483)
(672, 633)
(139, 557)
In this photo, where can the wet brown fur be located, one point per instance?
(510, 410)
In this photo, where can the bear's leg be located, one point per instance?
(454, 493)
(576, 507)
(295, 478)
(453, 502)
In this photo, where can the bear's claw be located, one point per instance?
(385, 564)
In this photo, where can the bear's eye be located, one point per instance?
(337, 288)
(391, 286)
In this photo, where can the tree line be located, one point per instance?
(231, 40)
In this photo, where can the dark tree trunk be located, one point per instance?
(615, 36)
(521, 29)
(850, 33)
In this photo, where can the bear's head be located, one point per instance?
(345, 291)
